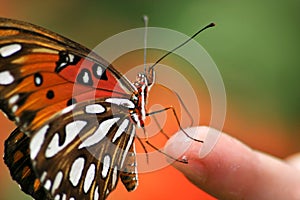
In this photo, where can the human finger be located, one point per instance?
(232, 170)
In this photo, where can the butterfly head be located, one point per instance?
(146, 78)
(141, 80)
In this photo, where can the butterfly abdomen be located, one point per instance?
(128, 172)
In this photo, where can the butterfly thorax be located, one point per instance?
(143, 85)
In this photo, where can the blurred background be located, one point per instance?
(255, 46)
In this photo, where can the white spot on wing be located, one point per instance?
(129, 143)
(121, 102)
(120, 130)
(85, 77)
(14, 108)
(76, 171)
(42, 178)
(38, 81)
(114, 177)
(37, 141)
(96, 193)
(136, 119)
(57, 181)
(71, 57)
(9, 50)
(13, 99)
(72, 198)
(94, 109)
(47, 185)
(90, 176)
(99, 134)
(72, 130)
(6, 78)
(57, 197)
(106, 166)
(67, 109)
(64, 197)
(62, 64)
(99, 71)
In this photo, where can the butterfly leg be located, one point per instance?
(143, 146)
(177, 120)
(159, 126)
(185, 108)
(160, 151)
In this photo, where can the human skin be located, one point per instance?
(232, 170)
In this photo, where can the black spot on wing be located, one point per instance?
(50, 94)
(71, 101)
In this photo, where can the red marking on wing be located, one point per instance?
(112, 86)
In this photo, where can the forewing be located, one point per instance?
(42, 72)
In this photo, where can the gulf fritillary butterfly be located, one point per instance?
(49, 153)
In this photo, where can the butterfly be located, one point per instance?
(76, 115)
(79, 142)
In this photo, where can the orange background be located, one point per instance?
(255, 45)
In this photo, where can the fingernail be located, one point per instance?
(211, 138)
(179, 144)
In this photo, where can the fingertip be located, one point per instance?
(184, 148)
(230, 169)
(181, 146)
(294, 160)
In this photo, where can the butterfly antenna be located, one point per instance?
(206, 27)
(145, 19)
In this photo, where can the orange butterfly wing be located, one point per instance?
(41, 74)
(46, 72)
